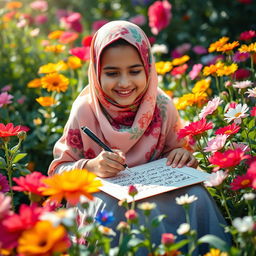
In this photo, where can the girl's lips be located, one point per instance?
(124, 93)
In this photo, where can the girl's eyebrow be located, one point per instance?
(133, 66)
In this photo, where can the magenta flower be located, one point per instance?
(198, 49)
(6, 88)
(98, 24)
(5, 205)
(82, 53)
(210, 107)
(39, 5)
(140, 20)
(72, 21)
(4, 186)
(41, 19)
(216, 144)
(241, 56)
(159, 14)
(5, 99)
(196, 69)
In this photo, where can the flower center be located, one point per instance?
(245, 182)
(238, 114)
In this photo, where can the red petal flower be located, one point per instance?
(195, 128)
(82, 53)
(240, 182)
(68, 37)
(228, 130)
(11, 130)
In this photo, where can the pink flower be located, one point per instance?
(132, 190)
(216, 178)
(6, 88)
(98, 24)
(167, 239)
(196, 69)
(41, 19)
(210, 107)
(39, 5)
(21, 100)
(131, 215)
(242, 146)
(68, 37)
(216, 144)
(241, 56)
(251, 172)
(253, 111)
(159, 16)
(72, 21)
(4, 186)
(74, 138)
(82, 53)
(179, 70)
(5, 205)
(140, 20)
(198, 49)
(247, 35)
(243, 84)
(251, 92)
(5, 99)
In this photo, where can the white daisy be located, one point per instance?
(183, 229)
(237, 113)
(185, 199)
(249, 196)
(251, 92)
(159, 48)
(107, 231)
(243, 84)
(244, 224)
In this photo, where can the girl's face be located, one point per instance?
(122, 74)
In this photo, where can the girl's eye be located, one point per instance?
(135, 72)
(111, 74)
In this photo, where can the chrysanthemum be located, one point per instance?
(71, 185)
(210, 107)
(215, 252)
(236, 114)
(251, 92)
(214, 46)
(243, 181)
(228, 130)
(59, 48)
(35, 83)
(216, 144)
(55, 82)
(228, 47)
(4, 186)
(46, 101)
(180, 61)
(243, 84)
(195, 128)
(185, 199)
(201, 85)
(227, 70)
(163, 67)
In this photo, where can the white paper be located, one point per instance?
(151, 179)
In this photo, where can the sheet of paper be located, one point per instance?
(151, 179)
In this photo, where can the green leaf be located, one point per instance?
(2, 162)
(157, 220)
(18, 157)
(214, 241)
(14, 149)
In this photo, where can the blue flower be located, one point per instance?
(104, 218)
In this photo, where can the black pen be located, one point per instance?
(87, 131)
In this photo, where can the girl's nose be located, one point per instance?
(124, 81)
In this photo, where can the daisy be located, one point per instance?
(236, 114)
(251, 92)
(243, 181)
(55, 82)
(210, 107)
(216, 143)
(107, 231)
(183, 229)
(215, 179)
(244, 224)
(228, 130)
(243, 84)
(185, 199)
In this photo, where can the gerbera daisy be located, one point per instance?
(227, 70)
(236, 114)
(179, 70)
(243, 84)
(74, 62)
(185, 199)
(35, 83)
(243, 181)
(46, 101)
(55, 82)
(71, 185)
(201, 85)
(180, 61)
(248, 48)
(11, 130)
(228, 47)
(212, 69)
(214, 46)
(251, 92)
(195, 128)
(210, 107)
(52, 67)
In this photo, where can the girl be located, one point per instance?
(125, 108)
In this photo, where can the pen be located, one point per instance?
(87, 131)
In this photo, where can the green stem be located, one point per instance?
(225, 205)
(217, 84)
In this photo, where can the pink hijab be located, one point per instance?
(144, 131)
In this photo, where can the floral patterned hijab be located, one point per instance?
(144, 131)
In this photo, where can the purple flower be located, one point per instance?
(4, 186)
(241, 56)
(198, 49)
(5, 98)
(104, 218)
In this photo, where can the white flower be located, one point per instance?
(146, 206)
(251, 92)
(183, 229)
(107, 231)
(159, 48)
(243, 84)
(244, 224)
(186, 199)
(249, 196)
(235, 114)
(215, 179)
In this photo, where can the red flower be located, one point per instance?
(228, 158)
(167, 239)
(30, 183)
(179, 70)
(247, 35)
(82, 53)
(68, 37)
(251, 172)
(131, 215)
(253, 111)
(132, 190)
(240, 182)
(87, 41)
(159, 14)
(89, 154)
(73, 22)
(228, 130)
(241, 73)
(74, 139)
(11, 130)
(245, 1)
(195, 128)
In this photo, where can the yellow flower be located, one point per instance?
(74, 62)
(13, 5)
(201, 86)
(216, 252)
(184, 101)
(43, 239)
(37, 121)
(59, 48)
(55, 34)
(52, 67)
(212, 69)
(46, 101)
(71, 185)
(180, 61)
(55, 82)
(227, 70)
(214, 46)
(228, 47)
(163, 67)
(248, 48)
(35, 83)
(200, 98)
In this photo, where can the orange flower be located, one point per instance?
(180, 61)
(55, 82)
(71, 185)
(43, 239)
(55, 34)
(52, 67)
(215, 252)
(228, 47)
(35, 83)
(74, 62)
(227, 70)
(248, 48)
(55, 48)
(46, 101)
(214, 46)
(201, 85)
(13, 5)
(68, 37)
(212, 69)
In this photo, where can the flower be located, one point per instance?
(39, 5)
(11, 130)
(4, 186)
(71, 185)
(159, 14)
(5, 205)
(199, 49)
(241, 74)
(139, 20)
(228, 47)
(243, 84)
(132, 190)
(253, 111)
(159, 48)
(58, 48)
(74, 139)
(244, 224)
(82, 53)
(214, 46)
(237, 113)
(240, 182)
(123, 226)
(241, 56)
(131, 215)
(13, 5)
(72, 21)
(74, 62)
(185, 199)
(68, 37)
(167, 239)
(228, 158)
(212, 69)
(248, 48)
(55, 34)
(55, 82)
(98, 24)
(179, 70)
(180, 61)
(40, 19)
(195, 128)
(146, 206)
(228, 130)
(247, 35)
(52, 67)
(227, 70)
(183, 229)
(196, 69)
(105, 218)
(43, 239)
(163, 67)
(5, 99)
(215, 252)
(106, 231)
(248, 196)
(87, 40)
(251, 92)
(216, 144)
(30, 183)
(210, 107)
(46, 101)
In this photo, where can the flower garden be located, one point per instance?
(205, 61)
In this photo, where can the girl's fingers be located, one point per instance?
(178, 156)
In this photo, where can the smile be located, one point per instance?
(124, 92)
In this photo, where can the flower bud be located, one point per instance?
(132, 190)
(131, 215)
(167, 239)
(123, 226)
(228, 84)
(22, 135)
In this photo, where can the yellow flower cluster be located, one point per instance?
(227, 70)
(228, 47)
(201, 86)
(191, 99)
(162, 67)
(248, 48)
(59, 48)
(53, 67)
(212, 69)
(214, 46)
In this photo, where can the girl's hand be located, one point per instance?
(106, 164)
(179, 157)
